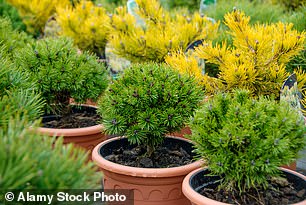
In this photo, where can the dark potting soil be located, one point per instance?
(279, 192)
(77, 118)
(163, 157)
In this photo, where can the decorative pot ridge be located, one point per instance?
(198, 199)
(151, 186)
(71, 131)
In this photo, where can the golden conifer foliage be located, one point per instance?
(35, 13)
(87, 24)
(156, 33)
(257, 61)
(189, 64)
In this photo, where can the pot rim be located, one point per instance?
(141, 172)
(73, 132)
(197, 198)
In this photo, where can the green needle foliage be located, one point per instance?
(298, 61)
(47, 165)
(246, 140)
(192, 5)
(110, 5)
(147, 102)
(24, 103)
(6, 10)
(290, 5)
(11, 40)
(297, 18)
(60, 73)
(17, 94)
(258, 11)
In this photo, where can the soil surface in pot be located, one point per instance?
(79, 116)
(279, 192)
(169, 154)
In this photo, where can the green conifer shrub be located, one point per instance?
(47, 165)
(147, 102)
(246, 140)
(60, 73)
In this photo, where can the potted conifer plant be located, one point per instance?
(144, 104)
(244, 141)
(60, 73)
(147, 32)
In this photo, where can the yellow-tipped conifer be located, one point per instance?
(257, 60)
(87, 24)
(35, 13)
(156, 32)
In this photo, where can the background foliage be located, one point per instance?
(35, 13)
(87, 24)
(6, 10)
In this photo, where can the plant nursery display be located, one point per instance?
(144, 104)
(157, 32)
(244, 141)
(60, 74)
(88, 25)
(169, 102)
(35, 13)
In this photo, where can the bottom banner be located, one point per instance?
(67, 197)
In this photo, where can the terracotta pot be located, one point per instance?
(86, 138)
(191, 182)
(291, 166)
(151, 186)
(185, 131)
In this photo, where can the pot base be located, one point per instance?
(151, 186)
